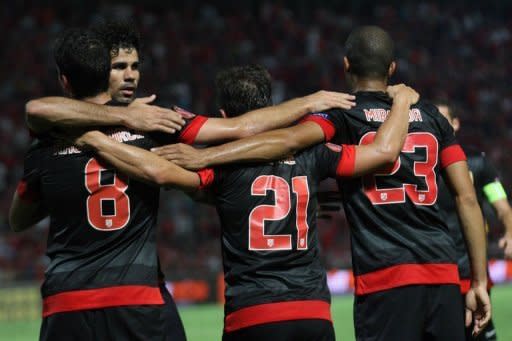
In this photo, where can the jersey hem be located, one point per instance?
(116, 296)
(277, 312)
(406, 274)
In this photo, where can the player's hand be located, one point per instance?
(402, 91)
(478, 308)
(141, 115)
(323, 100)
(505, 243)
(183, 155)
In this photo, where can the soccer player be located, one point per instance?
(275, 282)
(404, 262)
(122, 42)
(488, 186)
(102, 279)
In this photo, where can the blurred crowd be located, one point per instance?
(446, 50)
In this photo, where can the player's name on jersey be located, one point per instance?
(380, 115)
(118, 135)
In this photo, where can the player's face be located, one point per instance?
(124, 76)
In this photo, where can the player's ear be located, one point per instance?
(456, 124)
(223, 113)
(64, 83)
(346, 64)
(391, 69)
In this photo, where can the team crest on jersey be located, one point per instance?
(421, 197)
(270, 242)
(383, 196)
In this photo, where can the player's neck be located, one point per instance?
(370, 85)
(98, 99)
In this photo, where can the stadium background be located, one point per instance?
(457, 50)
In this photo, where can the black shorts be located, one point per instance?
(416, 312)
(173, 326)
(297, 330)
(121, 323)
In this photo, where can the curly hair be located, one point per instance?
(120, 34)
(243, 88)
(84, 60)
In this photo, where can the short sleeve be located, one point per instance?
(29, 187)
(333, 160)
(449, 149)
(491, 185)
(210, 178)
(330, 121)
(191, 129)
(187, 134)
(489, 173)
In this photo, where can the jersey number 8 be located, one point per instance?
(101, 194)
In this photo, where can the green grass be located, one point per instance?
(204, 322)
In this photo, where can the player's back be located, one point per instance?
(398, 235)
(102, 228)
(269, 238)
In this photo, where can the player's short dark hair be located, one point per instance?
(84, 60)
(243, 88)
(118, 34)
(370, 51)
(452, 109)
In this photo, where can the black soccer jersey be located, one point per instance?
(483, 174)
(398, 237)
(270, 242)
(102, 240)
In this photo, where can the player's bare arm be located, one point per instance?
(478, 306)
(280, 143)
(273, 117)
(504, 213)
(497, 197)
(24, 214)
(139, 163)
(46, 113)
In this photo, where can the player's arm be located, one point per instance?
(477, 302)
(497, 197)
(27, 208)
(283, 142)
(46, 113)
(139, 163)
(273, 117)
(24, 214)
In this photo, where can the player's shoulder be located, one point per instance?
(428, 108)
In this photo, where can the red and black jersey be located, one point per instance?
(270, 242)
(482, 173)
(397, 233)
(102, 238)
